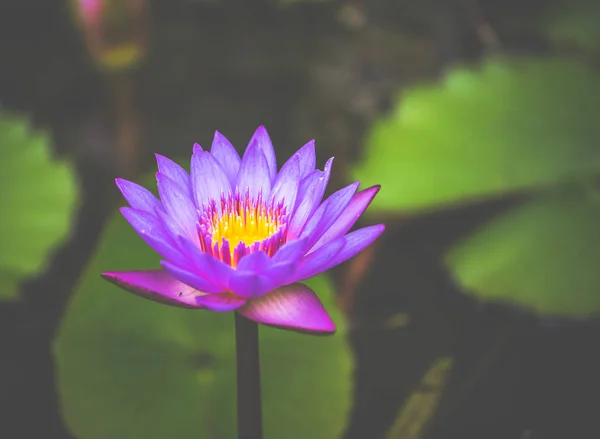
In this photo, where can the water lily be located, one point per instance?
(237, 234)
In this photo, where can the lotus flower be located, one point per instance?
(236, 234)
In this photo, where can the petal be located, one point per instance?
(156, 285)
(209, 267)
(209, 180)
(317, 183)
(227, 156)
(254, 173)
(153, 231)
(311, 264)
(178, 205)
(348, 218)
(307, 159)
(257, 262)
(328, 212)
(337, 251)
(295, 307)
(190, 278)
(221, 302)
(250, 285)
(290, 251)
(286, 184)
(262, 140)
(138, 196)
(251, 278)
(175, 172)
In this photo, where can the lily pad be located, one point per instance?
(38, 195)
(509, 125)
(129, 368)
(543, 256)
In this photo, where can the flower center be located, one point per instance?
(241, 224)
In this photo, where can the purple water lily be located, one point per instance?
(235, 234)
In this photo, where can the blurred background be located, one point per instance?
(473, 316)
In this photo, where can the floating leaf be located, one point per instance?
(421, 405)
(508, 126)
(543, 255)
(130, 368)
(37, 194)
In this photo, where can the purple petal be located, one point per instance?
(317, 183)
(209, 267)
(331, 254)
(154, 233)
(138, 196)
(209, 180)
(307, 159)
(160, 286)
(262, 140)
(348, 218)
(295, 307)
(254, 173)
(290, 251)
(221, 302)
(250, 285)
(227, 156)
(175, 172)
(197, 149)
(257, 261)
(311, 264)
(286, 183)
(157, 285)
(192, 279)
(328, 212)
(178, 205)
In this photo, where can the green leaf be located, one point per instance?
(574, 22)
(421, 405)
(130, 368)
(509, 126)
(543, 255)
(38, 195)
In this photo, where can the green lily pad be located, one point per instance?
(38, 196)
(507, 126)
(129, 367)
(543, 255)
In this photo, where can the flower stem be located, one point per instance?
(249, 411)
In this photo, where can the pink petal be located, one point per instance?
(160, 286)
(295, 307)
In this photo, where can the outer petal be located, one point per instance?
(254, 173)
(160, 286)
(138, 196)
(290, 251)
(328, 212)
(178, 205)
(262, 140)
(153, 231)
(192, 279)
(250, 278)
(175, 172)
(227, 156)
(309, 201)
(295, 307)
(209, 180)
(204, 264)
(348, 218)
(307, 159)
(286, 183)
(327, 257)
